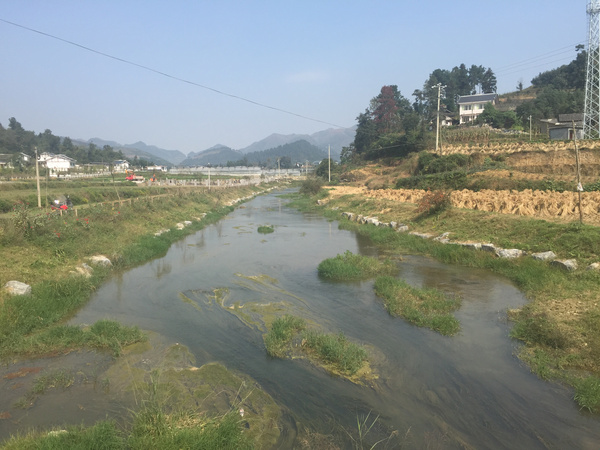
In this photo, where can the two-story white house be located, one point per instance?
(471, 106)
(56, 163)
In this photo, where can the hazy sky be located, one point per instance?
(323, 60)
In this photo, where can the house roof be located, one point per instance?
(577, 117)
(477, 98)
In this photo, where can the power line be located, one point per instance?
(164, 74)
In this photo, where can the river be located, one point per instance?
(465, 391)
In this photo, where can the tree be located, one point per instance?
(384, 109)
(14, 125)
(488, 82)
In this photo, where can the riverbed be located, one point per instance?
(214, 291)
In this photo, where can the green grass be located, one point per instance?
(337, 350)
(266, 229)
(152, 429)
(429, 308)
(43, 251)
(350, 267)
(282, 331)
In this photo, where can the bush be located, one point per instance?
(311, 186)
(434, 202)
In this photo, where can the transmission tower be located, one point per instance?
(591, 121)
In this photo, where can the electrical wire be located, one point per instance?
(167, 75)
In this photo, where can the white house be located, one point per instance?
(471, 106)
(56, 163)
(120, 165)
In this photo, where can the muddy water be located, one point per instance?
(467, 391)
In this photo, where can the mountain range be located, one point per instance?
(220, 154)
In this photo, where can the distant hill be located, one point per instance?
(336, 138)
(295, 152)
(216, 155)
(141, 150)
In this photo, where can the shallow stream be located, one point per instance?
(466, 391)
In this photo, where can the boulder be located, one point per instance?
(593, 266)
(544, 256)
(179, 226)
(373, 221)
(348, 215)
(509, 253)
(471, 245)
(17, 288)
(84, 270)
(488, 248)
(100, 260)
(565, 264)
(421, 235)
(443, 238)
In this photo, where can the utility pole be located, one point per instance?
(579, 186)
(529, 128)
(329, 161)
(37, 179)
(437, 128)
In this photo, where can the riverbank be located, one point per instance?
(559, 325)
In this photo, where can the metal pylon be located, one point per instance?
(591, 121)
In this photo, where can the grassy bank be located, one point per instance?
(559, 325)
(44, 250)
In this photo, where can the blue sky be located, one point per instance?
(320, 60)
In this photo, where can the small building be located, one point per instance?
(56, 163)
(562, 128)
(471, 106)
(120, 165)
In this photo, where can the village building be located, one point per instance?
(567, 126)
(471, 106)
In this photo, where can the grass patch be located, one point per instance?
(103, 335)
(350, 267)
(429, 308)
(337, 350)
(282, 331)
(266, 229)
(587, 393)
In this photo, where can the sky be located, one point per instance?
(187, 75)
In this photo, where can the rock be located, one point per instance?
(443, 238)
(509, 253)
(159, 232)
(180, 226)
(488, 248)
(373, 221)
(565, 264)
(593, 266)
(421, 235)
(394, 225)
(17, 288)
(348, 215)
(402, 228)
(84, 270)
(544, 256)
(471, 245)
(100, 260)
(187, 222)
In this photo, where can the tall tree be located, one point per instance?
(488, 82)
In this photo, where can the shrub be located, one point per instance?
(434, 202)
(311, 186)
